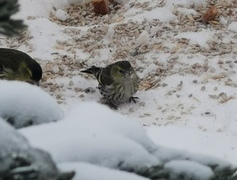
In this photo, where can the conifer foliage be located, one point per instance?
(9, 26)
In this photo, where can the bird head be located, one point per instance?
(121, 70)
(31, 72)
(36, 73)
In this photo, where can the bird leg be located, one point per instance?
(133, 99)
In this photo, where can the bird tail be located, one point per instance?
(92, 70)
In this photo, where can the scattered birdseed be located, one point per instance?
(203, 88)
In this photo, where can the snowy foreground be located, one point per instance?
(23, 105)
(108, 139)
(92, 138)
(187, 99)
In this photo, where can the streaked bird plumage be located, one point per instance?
(118, 82)
(17, 65)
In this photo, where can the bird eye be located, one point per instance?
(121, 71)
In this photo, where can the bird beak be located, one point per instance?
(128, 74)
(33, 82)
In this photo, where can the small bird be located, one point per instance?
(17, 65)
(118, 82)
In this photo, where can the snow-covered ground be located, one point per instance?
(187, 98)
(90, 141)
(24, 105)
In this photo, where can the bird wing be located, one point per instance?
(105, 77)
(20, 74)
(11, 58)
(13, 64)
(4, 72)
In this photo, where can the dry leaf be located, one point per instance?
(211, 14)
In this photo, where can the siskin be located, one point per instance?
(118, 82)
(17, 65)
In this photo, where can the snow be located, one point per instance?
(112, 141)
(76, 2)
(197, 37)
(192, 110)
(184, 2)
(61, 15)
(24, 104)
(83, 171)
(143, 39)
(139, 15)
(187, 11)
(233, 27)
(94, 138)
(38, 9)
(220, 144)
(10, 139)
(44, 46)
